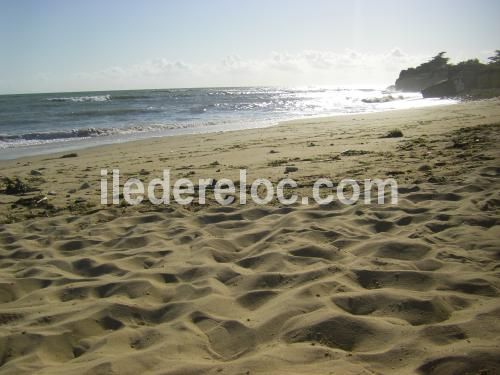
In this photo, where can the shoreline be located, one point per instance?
(318, 119)
(70, 144)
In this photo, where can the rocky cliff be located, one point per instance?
(437, 78)
(424, 75)
(465, 80)
(413, 81)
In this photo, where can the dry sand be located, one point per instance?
(362, 289)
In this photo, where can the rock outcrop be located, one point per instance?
(412, 81)
(424, 75)
(436, 78)
(464, 79)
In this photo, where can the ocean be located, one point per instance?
(34, 124)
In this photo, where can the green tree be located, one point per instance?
(439, 59)
(470, 62)
(437, 62)
(495, 59)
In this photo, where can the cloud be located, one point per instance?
(396, 52)
(152, 68)
(308, 67)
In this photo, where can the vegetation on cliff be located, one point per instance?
(438, 78)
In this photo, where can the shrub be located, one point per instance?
(16, 186)
(394, 133)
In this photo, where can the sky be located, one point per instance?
(56, 46)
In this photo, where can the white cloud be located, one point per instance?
(396, 52)
(309, 67)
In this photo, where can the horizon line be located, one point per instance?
(352, 87)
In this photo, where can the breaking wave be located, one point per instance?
(7, 141)
(82, 133)
(76, 99)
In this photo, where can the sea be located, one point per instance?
(32, 124)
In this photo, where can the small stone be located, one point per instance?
(290, 169)
(394, 133)
(71, 155)
(34, 172)
(85, 185)
(52, 192)
(424, 168)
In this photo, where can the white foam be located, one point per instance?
(75, 99)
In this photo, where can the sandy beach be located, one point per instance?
(410, 288)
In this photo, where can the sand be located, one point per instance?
(362, 289)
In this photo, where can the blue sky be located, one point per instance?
(98, 45)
